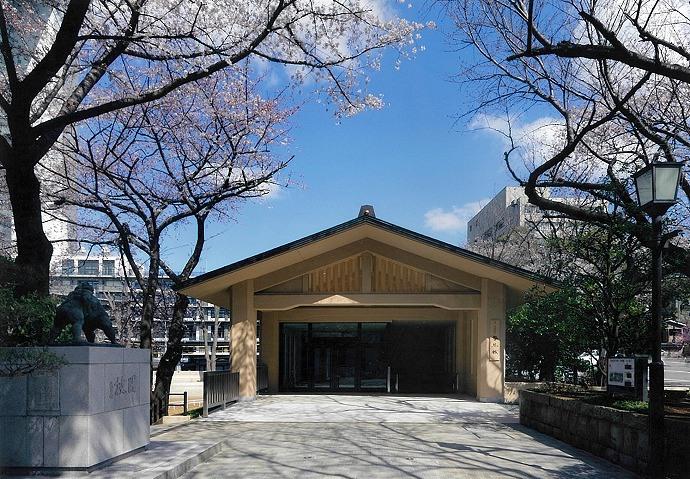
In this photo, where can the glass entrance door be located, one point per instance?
(348, 357)
(333, 357)
(335, 354)
(335, 364)
(345, 367)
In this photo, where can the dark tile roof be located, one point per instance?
(380, 224)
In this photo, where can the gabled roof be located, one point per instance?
(220, 279)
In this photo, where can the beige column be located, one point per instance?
(491, 324)
(243, 336)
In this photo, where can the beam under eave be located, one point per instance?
(451, 301)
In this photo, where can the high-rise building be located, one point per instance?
(505, 213)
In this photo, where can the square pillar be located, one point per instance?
(464, 344)
(243, 337)
(490, 341)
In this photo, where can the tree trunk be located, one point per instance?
(204, 332)
(34, 251)
(172, 355)
(149, 306)
(214, 347)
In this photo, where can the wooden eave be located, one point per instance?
(364, 233)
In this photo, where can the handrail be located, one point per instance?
(223, 387)
(184, 401)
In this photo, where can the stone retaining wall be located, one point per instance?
(618, 436)
(511, 390)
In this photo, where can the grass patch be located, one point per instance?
(629, 405)
(563, 389)
(194, 413)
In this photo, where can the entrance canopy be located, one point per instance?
(440, 308)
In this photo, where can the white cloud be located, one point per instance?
(453, 220)
(541, 133)
(534, 141)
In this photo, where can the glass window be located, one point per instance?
(334, 330)
(67, 266)
(295, 357)
(108, 267)
(88, 267)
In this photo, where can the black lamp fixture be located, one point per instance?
(657, 187)
(657, 190)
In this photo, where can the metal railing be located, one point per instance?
(183, 403)
(220, 388)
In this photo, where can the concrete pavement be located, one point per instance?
(383, 437)
(331, 408)
(371, 437)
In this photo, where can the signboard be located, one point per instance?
(494, 341)
(494, 349)
(622, 372)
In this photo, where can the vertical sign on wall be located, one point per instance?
(494, 341)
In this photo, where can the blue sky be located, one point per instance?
(410, 160)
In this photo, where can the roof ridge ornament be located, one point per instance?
(367, 210)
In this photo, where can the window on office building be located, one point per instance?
(88, 267)
(108, 267)
(67, 266)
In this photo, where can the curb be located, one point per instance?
(161, 429)
(190, 463)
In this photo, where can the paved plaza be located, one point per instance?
(382, 437)
(368, 437)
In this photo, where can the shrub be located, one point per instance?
(25, 322)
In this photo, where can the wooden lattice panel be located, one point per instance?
(393, 277)
(344, 276)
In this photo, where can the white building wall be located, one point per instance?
(502, 214)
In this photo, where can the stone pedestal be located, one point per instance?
(89, 411)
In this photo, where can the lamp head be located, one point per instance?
(657, 187)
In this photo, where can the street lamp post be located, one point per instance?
(657, 190)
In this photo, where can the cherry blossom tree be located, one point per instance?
(67, 61)
(583, 93)
(142, 173)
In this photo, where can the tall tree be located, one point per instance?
(585, 93)
(66, 61)
(601, 305)
(146, 172)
